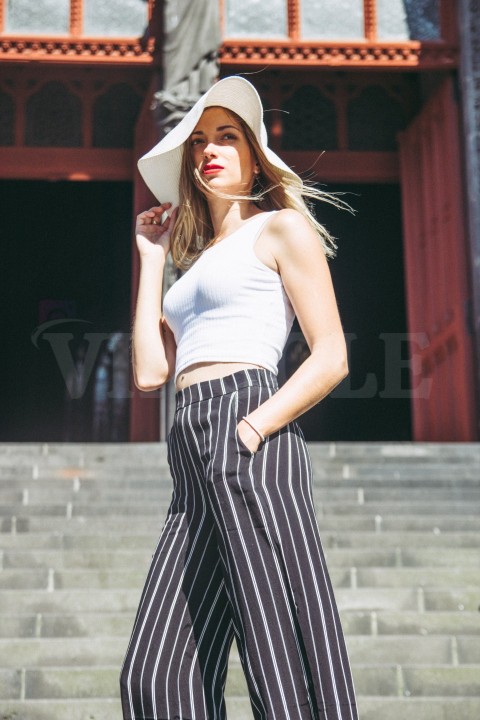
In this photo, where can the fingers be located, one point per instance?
(154, 215)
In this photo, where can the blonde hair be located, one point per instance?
(193, 231)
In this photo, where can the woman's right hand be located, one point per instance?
(153, 236)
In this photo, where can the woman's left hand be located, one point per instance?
(248, 436)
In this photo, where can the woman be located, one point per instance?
(240, 553)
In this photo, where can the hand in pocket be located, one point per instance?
(247, 436)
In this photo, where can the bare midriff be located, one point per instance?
(209, 371)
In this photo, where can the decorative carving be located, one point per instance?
(100, 50)
(331, 110)
(406, 54)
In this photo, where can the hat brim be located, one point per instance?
(161, 166)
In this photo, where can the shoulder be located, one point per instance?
(292, 234)
(286, 221)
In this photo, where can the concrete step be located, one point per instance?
(58, 559)
(70, 624)
(323, 507)
(83, 682)
(400, 527)
(65, 652)
(102, 682)
(370, 708)
(121, 600)
(397, 529)
(422, 472)
(40, 493)
(384, 622)
(70, 601)
(380, 649)
(355, 622)
(49, 579)
(361, 451)
(414, 708)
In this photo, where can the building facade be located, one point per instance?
(375, 100)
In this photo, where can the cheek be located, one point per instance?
(197, 156)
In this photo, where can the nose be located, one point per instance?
(210, 150)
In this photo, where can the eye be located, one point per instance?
(196, 141)
(229, 136)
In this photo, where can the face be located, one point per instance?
(221, 152)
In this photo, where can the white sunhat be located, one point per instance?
(161, 166)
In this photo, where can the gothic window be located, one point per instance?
(7, 115)
(54, 117)
(374, 119)
(41, 16)
(331, 19)
(255, 18)
(310, 122)
(114, 116)
(127, 18)
(408, 19)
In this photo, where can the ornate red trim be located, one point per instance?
(76, 17)
(111, 50)
(370, 19)
(362, 54)
(293, 19)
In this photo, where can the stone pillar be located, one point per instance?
(191, 37)
(469, 30)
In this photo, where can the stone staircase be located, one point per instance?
(400, 526)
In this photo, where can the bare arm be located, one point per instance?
(306, 277)
(153, 346)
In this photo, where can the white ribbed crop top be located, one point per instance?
(229, 306)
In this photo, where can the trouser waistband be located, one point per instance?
(224, 385)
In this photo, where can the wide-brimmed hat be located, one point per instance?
(160, 167)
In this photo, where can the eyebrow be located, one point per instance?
(219, 129)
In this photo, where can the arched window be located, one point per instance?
(7, 118)
(310, 121)
(114, 116)
(54, 117)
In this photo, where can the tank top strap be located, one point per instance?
(250, 233)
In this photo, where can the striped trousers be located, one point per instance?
(239, 556)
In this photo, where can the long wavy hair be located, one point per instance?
(271, 190)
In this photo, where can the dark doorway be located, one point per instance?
(66, 306)
(372, 403)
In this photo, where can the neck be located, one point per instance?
(227, 216)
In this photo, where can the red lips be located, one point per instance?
(211, 168)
